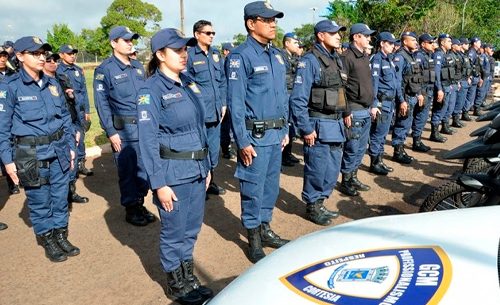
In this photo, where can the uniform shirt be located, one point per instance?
(115, 89)
(207, 70)
(384, 78)
(171, 114)
(77, 78)
(256, 91)
(474, 59)
(309, 73)
(8, 72)
(359, 88)
(30, 109)
(485, 65)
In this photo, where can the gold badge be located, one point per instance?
(215, 57)
(128, 29)
(181, 35)
(53, 90)
(268, 5)
(194, 88)
(138, 71)
(70, 46)
(37, 40)
(280, 59)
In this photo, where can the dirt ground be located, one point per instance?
(119, 263)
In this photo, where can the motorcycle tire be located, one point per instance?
(451, 196)
(477, 166)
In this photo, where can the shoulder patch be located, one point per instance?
(396, 59)
(280, 59)
(53, 90)
(138, 71)
(301, 64)
(298, 80)
(194, 87)
(144, 99)
(99, 76)
(376, 66)
(215, 57)
(3, 94)
(233, 75)
(234, 63)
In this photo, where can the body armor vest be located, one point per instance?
(413, 79)
(476, 65)
(458, 67)
(290, 69)
(447, 68)
(466, 67)
(429, 71)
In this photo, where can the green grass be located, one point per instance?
(95, 135)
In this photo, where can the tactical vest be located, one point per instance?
(329, 95)
(492, 64)
(466, 67)
(414, 79)
(476, 65)
(429, 71)
(291, 68)
(458, 67)
(447, 69)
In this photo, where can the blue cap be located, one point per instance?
(328, 26)
(261, 9)
(345, 45)
(488, 45)
(474, 39)
(455, 41)
(122, 32)
(426, 37)
(408, 33)
(67, 48)
(444, 35)
(7, 44)
(292, 35)
(464, 40)
(3, 51)
(386, 36)
(49, 54)
(398, 43)
(30, 43)
(361, 28)
(171, 38)
(228, 46)
(301, 44)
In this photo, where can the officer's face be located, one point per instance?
(331, 40)
(50, 65)
(427, 45)
(68, 58)
(205, 36)
(456, 48)
(3, 61)
(410, 43)
(465, 47)
(173, 59)
(32, 61)
(263, 29)
(122, 46)
(362, 41)
(300, 51)
(387, 47)
(292, 45)
(446, 44)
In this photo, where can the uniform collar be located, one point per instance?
(67, 67)
(170, 83)
(198, 50)
(356, 52)
(255, 44)
(120, 64)
(382, 55)
(27, 79)
(325, 51)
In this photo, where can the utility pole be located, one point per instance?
(182, 16)
(314, 14)
(463, 15)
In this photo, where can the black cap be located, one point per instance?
(30, 43)
(426, 37)
(261, 9)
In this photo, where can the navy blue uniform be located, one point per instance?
(439, 110)
(115, 88)
(464, 84)
(421, 114)
(257, 91)
(207, 71)
(172, 115)
(473, 55)
(485, 75)
(323, 159)
(31, 109)
(386, 87)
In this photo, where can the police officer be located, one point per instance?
(258, 102)
(226, 134)
(67, 68)
(410, 74)
(485, 76)
(465, 82)
(174, 147)
(116, 82)
(12, 60)
(386, 87)
(477, 81)
(300, 50)
(206, 67)
(423, 56)
(456, 76)
(289, 52)
(37, 145)
(444, 87)
(359, 92)
(318, 104)
(489, 53)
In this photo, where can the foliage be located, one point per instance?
(239, 39)
(481, 19)
(343, 12)
(306, 34)
(61, 34)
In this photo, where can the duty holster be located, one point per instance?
(28, 171)
(259, 129)
(86, 125)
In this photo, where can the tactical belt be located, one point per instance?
(333, 116)
(42, 140)
(167, 153)
(266, 124)
(82, 108)
(383, 97)
(125, 119)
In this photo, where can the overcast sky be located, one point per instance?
(34, 18)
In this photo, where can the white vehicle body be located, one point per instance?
(496, 72)
(446, 257)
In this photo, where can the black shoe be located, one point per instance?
(215, 190)
(255, 252)
(446, 129)
(285, 161)
(456, 122)
(294, 159)
(325, 211)
(3, 226)
(435, 135)
(150, 217)
(228, 152)
(477, 111)
(400, 155)
(270, 239)
(82, 169)
(346, 187)
(179, 290)
(135, 216)
(192, 280)
(61, 236)
(314, 214)
(357, 184)
(419, 146)
(376, 166)
(385, 166)
(52, 250)
(466, 117)
(73, 196)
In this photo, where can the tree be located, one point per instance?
(306, 33)
(140, 17)
(239, 39)
(343, 12)
(61, 34)
(481, 19)
(97, 42)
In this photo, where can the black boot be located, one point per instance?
(192, 280)
(73, 196)
(435, 135)
(357, 184)
(477, 111)
(325, 211)
(255, 252)
(446, 129)
(228, 152)
(456, 122)
(3, 226)
(270, 239)
(466, 116)
(376, 167)
(13, 188)
(213, 188)
(52, 250)
(346, 187)
(400, 155)
(61, 236)
(82, 169)
(314, 214)
(419, 146)
(150, 217)
(385, 166)
(135, 216)
(180, 291)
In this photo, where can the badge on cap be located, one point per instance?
(280, 59)
(126, 29)
(215, 57)
(37, 40)
(181, 35)
(53, 90)
(268, 5)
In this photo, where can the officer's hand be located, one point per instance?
(374, 111)
(87, 116)
(207, 181)
(73, 157)
(77, 137)
(347, 121)
(403, 107)
(116, 142)
(69, 91)
(310, 138)
(167, 197)
(440, 96)
(12, 172)
(247, 154)
(480, 84)
(469, 80)
(224, 109)
(285, 142)
(420, 99)
(459, 85)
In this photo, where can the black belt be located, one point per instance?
(383, 97)
(82, 108)
(333, 116)
(167, 153)
(266, 124)
(125, 119)
(42, 140)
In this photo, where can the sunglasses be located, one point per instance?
(267, 20)
(51, 60)
(208, 33)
